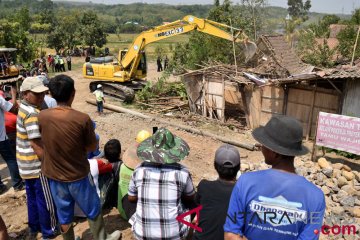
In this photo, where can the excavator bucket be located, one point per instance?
(249, 50)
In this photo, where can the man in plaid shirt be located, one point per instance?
(160, 186)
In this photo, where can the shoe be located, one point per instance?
(20, 187)
(97, 228)
(3, 189)
(31, 236)
(69, 234)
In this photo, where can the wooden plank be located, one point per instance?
(204, 96)
(253, 97)
(222, 118)
(265, 97)
(246, 107)
(311, 114)
(351, 102)
(272, 105)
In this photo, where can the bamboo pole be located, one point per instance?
(355, 45)
(114, 108)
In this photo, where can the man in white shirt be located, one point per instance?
(5, 148)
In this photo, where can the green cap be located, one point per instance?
(163, 147)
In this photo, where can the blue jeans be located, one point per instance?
(100, 106)
(10, 159)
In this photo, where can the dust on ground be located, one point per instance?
(124, 127)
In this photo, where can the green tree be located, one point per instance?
(311, 52)
(321, 29)
(45, 9)
(203, 48)
(255, 10)
(23, 17)
(291, 29)
(12, 35)
(91, 30)
(355, 18)
(66, 33)
(347, 38)
(299, 9)
(56, 40)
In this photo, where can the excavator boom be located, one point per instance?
(187, 24)
(132, 62)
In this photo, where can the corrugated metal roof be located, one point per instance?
(353, 72)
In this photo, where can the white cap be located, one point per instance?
(99, 86)
(33, 84)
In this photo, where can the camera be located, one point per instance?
(6, 88)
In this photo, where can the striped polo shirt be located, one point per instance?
(27, 127)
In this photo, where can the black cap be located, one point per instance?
(227, 156)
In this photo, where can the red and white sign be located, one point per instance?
(338, 132)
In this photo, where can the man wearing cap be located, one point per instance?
(160, 186)
(214, 196)
(130, 162)
(100, 100)
(276, 203)
(5, 147)
(29, 154)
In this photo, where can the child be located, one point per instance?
(99, 98)
(105, 174)
(214, 196)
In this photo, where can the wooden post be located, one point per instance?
(223, 101)
(204, 96)
(233, 43)
(313, 152)
(246, 109)
(285, 101)
(355, 45)
(308, 130)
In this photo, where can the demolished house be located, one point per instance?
(277, 83)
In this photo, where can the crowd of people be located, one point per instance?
(65, 174)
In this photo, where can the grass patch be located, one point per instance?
(122, 41)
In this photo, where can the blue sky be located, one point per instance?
(323, 6)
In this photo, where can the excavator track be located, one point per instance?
(123, 92)
(8, 80)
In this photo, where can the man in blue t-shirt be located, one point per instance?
(276, 203)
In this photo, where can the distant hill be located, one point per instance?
(147, 15)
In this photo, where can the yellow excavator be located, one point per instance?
(119, 78)
(7, 68)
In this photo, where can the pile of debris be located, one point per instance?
(341, 187)
(165, 104)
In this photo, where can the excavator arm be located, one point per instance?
(187, 24)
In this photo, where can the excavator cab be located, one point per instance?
(7, 67)
(141, 68)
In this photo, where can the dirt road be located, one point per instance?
(123, 127)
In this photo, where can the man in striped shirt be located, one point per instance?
(28, 154)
